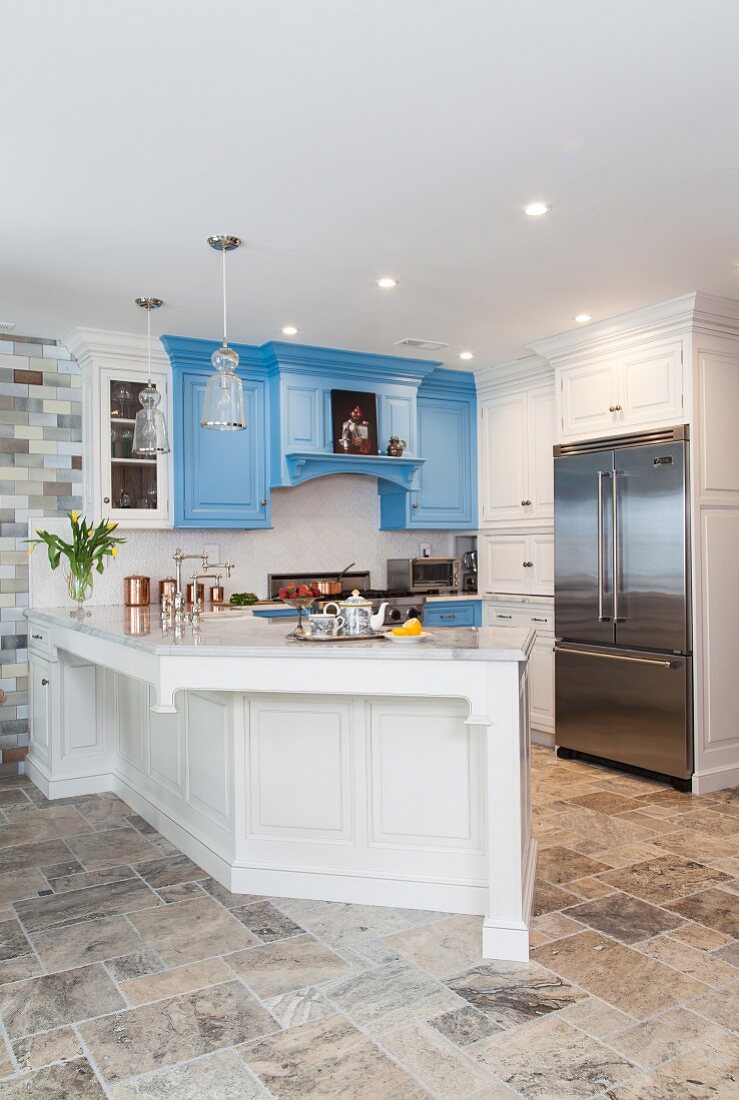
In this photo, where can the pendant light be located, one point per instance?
(150, 428)
(223, 408)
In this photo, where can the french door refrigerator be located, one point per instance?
(622, 602)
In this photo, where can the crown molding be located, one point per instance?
(90, 344)
(529, 369)
(665, 320)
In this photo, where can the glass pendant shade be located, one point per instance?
(150, 429)
(223, 407)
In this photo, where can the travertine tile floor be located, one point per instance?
(125, 971)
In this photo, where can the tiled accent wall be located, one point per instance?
(40, 477)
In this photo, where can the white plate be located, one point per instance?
(408, 637)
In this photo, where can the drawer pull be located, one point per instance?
(528, 565)
(535, 620)
(614, 408)
(38, 637)
(44, 682)
(525, 503)
(447, 616)
(504, 616)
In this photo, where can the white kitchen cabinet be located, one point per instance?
(540, 617)
(517, 429)
(520, 563)
(118, 484)
(641, 388)
(39, 708)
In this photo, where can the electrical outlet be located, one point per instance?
(425, 549)
(213, 551)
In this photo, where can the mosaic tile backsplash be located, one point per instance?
(40, 477)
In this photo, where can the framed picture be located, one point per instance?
(354, 422)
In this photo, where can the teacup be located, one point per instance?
(324, 626)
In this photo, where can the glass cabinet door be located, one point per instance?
(134, 488)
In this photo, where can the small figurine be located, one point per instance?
(396, 446)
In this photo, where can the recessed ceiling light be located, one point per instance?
(583, 318)
(466, 355)
(387, 282)
(289, 330)
(536, 209)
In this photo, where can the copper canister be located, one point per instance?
(137, 621)
(191, 592)
(167, 588)
(136, 591)
(216, 593)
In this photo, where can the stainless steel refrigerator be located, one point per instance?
(622, 602)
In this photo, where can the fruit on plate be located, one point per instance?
(243, 599)
(293, 591)
(410, 629)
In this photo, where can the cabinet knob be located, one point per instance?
(614, 408)
(525, 503)
(528, 565)
(414, 505)
(44, 682)
(106, 500)
(263, 502)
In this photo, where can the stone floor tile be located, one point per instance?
(590, 888)
(181, 979)
(437, 1065)
(596, 1017)
(267, 922)
(190, 930)
(327, 1058)
(61, 884)
(13, 797)
(74, 1079)
(606, 802)
(442, 949)
(341, 925)
(40, 1004)
(99, 811)
(219, 1076)
(299, 1006)
(624, 918)
(12, 940)
(552, 1059)
(231, 901)
(95, 850)
(183, 891)
(89, 904)
(388, 996)
(87, 942)
(511, 994)
(466, 1025)
(664, 879)
(151, 1036)
(552, 926)
(696, 964)
(701, 846)
(617, 974)
(697, 935)
(37, 826)
(729, 953)
(561, 865)
(715, 908)
(126, 967)
(22, 966)
(35, 1051)
(720, 1007)
(705, 820)
(169, 871)
(602, 831)
(275, 968)
(48, 853)
(666, 1036)
(710, 1071)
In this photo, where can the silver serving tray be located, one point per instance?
(336, 637)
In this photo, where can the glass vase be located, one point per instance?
(79, 586)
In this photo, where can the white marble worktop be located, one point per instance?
(250, 636)
(466, 596)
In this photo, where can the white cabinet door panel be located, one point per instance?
(39, 709)
(650, 387)
(541, 679)
(588, 392)
(504, 476)
(502, 560)
(541, 553)
(541, 458)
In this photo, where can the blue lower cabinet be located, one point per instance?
(453, 613)
(220, 477)
(446, 494)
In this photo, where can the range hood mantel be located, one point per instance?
(307, 465)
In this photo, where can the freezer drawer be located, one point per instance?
(627, 706)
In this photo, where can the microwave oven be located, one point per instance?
(423, 575)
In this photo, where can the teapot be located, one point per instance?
(357, 614)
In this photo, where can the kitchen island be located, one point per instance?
(367, 771)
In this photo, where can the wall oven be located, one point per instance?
(423, 575)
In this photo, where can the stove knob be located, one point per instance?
(414, 613)
(394, 615)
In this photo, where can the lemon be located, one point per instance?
(410, 629)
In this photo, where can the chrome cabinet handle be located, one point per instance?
(525, 503)
(528, 565)
(44, 682)
(616, 657)
(614, 408)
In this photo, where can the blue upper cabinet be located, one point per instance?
(224, 479)
(445, 496)
(220, 478)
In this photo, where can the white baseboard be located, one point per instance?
(66, 788)
(542, 737)
(718, 779)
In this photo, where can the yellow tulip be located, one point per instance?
(112, 525)
(75, 516)
(31, 549)
(90, 534)
(114, 551)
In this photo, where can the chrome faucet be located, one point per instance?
(197, 606)
(179, 556)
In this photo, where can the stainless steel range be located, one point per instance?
(401, 606)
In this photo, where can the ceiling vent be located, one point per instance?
(426, 345)
(6, 326)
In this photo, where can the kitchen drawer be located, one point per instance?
(39, 639)
(458, 613)
(541, 621)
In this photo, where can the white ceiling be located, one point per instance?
(349, 139)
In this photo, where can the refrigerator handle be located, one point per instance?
(601, 617)
(616, 618)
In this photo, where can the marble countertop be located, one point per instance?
(466, 596)
(250, 636)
